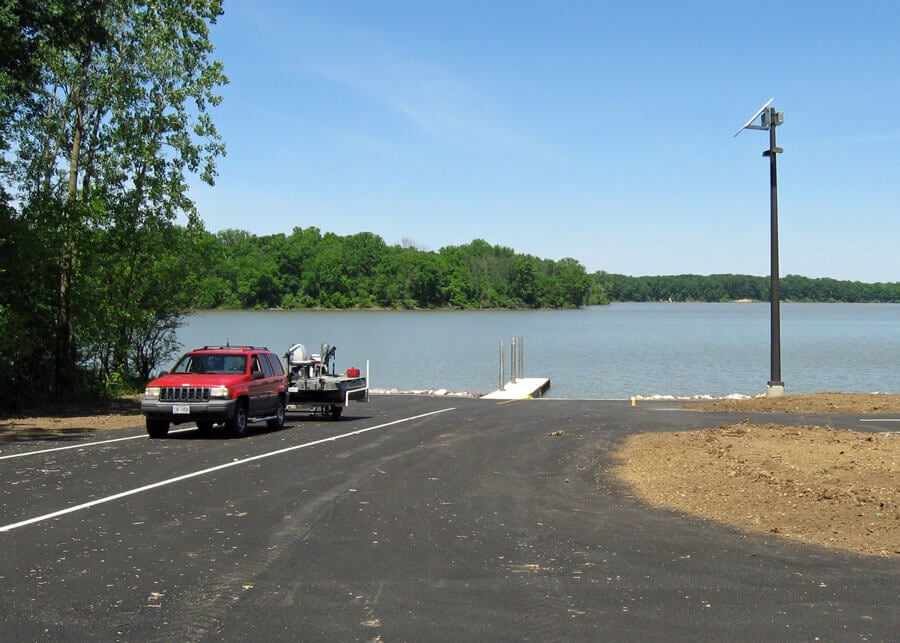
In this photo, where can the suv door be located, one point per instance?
(258, 403)
(275, 379)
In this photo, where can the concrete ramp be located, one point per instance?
(521, 389)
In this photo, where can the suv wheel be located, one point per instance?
(157, 428)
(237, 423)
(277, 422)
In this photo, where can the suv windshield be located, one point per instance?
(211, 363)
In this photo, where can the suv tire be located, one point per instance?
(157, 428)
(277, 422)
(237, 423)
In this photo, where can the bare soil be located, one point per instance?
(60, 420)
(827, 486)
(856, 403)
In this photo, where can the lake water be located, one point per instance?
(610, 352)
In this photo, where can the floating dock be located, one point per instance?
(521, 389)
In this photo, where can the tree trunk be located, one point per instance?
(65, 357)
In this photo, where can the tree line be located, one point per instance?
(309, 269)
(727, 287)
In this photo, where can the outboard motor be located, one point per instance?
(299, 361)
(297, 355)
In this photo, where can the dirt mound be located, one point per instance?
(832, 487)
(813, 403)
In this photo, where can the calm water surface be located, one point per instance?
(597, 352)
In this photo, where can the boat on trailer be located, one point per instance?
(315, 386)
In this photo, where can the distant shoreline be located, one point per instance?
(471, 310)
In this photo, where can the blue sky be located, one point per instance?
(599, 130)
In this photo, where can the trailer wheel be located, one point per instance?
(336, 412)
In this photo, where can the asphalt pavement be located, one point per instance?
(413, 518)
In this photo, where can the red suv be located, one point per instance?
(230, 385)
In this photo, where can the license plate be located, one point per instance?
(181, 409)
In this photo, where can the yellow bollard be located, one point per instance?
(633, 401)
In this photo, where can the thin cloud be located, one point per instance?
(432, 99)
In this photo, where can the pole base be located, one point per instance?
(775, 389)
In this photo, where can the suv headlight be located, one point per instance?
(151, 393)
(220, 391)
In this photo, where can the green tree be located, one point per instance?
(731, 287)
(574, 281)
(123, 118)
(523, 280)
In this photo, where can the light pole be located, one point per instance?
(769, 120)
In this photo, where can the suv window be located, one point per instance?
(275, 363)
(256, 364)
(235, 364)
(267, 366)
(211, 363)
(194, 363)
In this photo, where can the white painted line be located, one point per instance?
(82, 445)
(187, 476)
(879, 420)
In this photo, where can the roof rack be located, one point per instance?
(237, 348)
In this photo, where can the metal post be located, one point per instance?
(513, 353)
(770, 120)
(521, 357)
(502, 359)
(775, 386)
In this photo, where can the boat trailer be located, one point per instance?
(315, 386)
